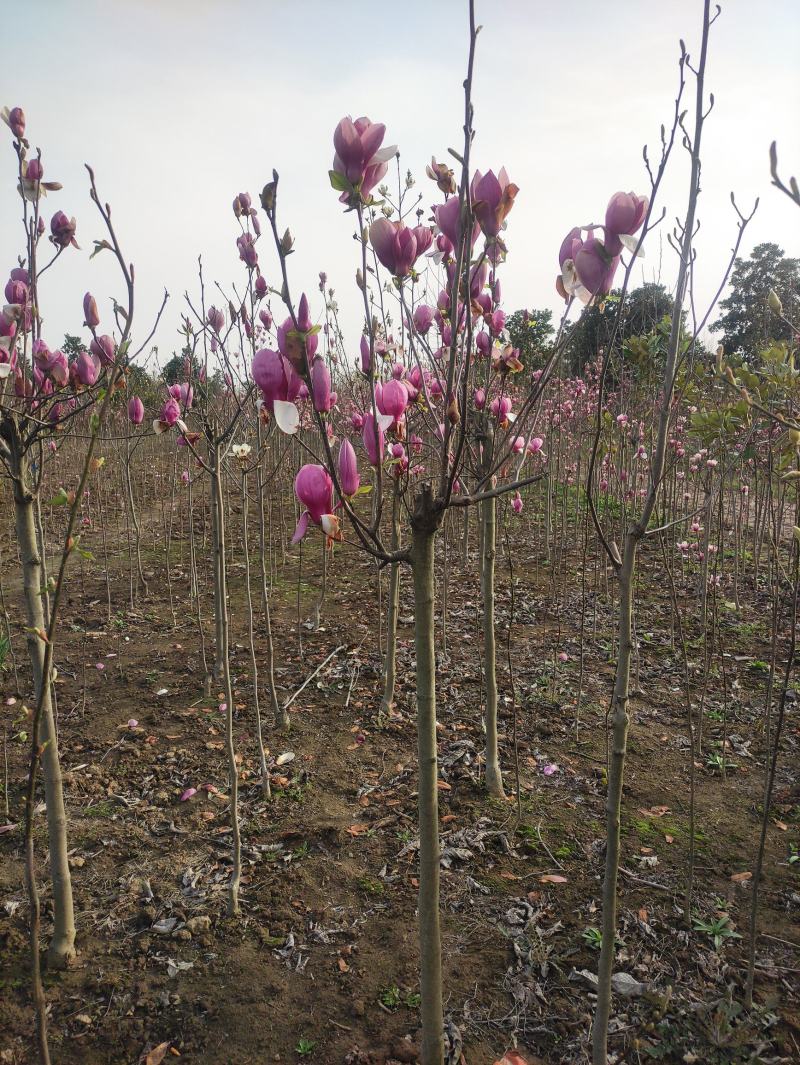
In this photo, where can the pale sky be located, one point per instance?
(181, 104)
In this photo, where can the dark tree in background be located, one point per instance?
(747, 324)
(532, 332)
(73, 346)
(644, 309)
(173, 372)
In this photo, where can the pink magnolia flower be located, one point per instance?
(359, 161)
(349, 479)
(90, 312)
(275, 376)
(169, 416)
(87, 369)
(247, 250)
(492, 199)
(423, 317)
(624, 215)
(324, 398)
(314, 489)
(516, 503)
(501, 409)
(394, 400)
(399, 459)
(216, 319)
(372, 436)
(397, 246)
(62, 231)
(448, 219)
(366, 356)
(15, 120)
(483, 342)
(135, 410)
(596, 267)
(58, 368)
(104, 348)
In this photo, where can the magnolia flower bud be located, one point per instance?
(774, 302)
(90, 313)
(15, 119)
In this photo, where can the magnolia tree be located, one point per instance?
(593, 262)
(434, 413)
(210, 427)
(43, 395)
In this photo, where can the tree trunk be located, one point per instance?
(494, 776)
(390, 663)
(428, 905)
(619, 740)
(280, 714)
(223, 664)
(62, 945)
(220, 607)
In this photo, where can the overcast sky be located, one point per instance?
(180, 104)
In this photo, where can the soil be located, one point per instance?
(322, 964)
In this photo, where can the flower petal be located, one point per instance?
(630, 243)
(302, 528)
(287, 416)
(384, 154)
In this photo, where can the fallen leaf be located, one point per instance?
(358, 829)
(157, 1054)
(738, 878)
(552, 878)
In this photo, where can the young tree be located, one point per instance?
(49, 395)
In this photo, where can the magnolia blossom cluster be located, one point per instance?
(50, 373)
(589, 264)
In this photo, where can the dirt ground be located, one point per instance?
(322, 965)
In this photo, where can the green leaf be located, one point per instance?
(339, 182)
(100, 245)
(60, 499)
(364, 489)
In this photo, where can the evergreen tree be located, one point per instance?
(747, 324)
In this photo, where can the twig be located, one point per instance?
(289, 702)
